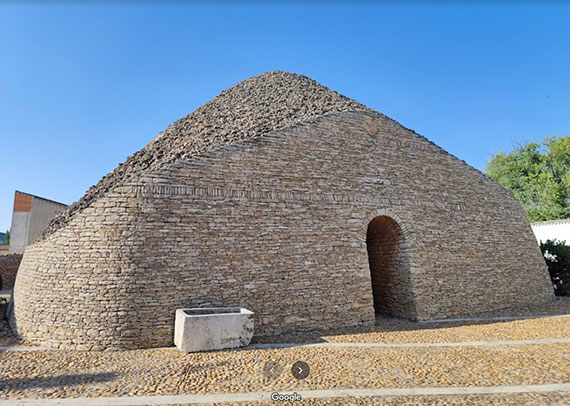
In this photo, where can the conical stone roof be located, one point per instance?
(252, 108)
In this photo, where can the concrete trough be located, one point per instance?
(205, 329)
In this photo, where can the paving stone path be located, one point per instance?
(511, 362)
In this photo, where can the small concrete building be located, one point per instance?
(30, 217)
(291, 200)
(552, 230)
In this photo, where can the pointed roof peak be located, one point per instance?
(256, 106)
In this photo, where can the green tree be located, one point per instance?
(7, 237)
(538, 175)
(557, 257)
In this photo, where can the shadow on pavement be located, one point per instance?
(558, 307)
(55, 381)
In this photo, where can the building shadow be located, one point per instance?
(7, 337)
(387, 324)
(56, 381)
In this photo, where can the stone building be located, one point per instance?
(31, 215)
(285, 197)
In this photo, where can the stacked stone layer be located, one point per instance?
(8, 269)
(278, 224)
(254, 107)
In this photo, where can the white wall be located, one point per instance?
(550, 230)
(19, 231)
(27, 225)
(42, 213)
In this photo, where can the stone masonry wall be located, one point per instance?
(8, 268)
(279, 224)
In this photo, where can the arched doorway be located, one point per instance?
(389, 268)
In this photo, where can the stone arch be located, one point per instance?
(387, 245)
(389, 213)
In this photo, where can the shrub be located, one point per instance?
(557, 257)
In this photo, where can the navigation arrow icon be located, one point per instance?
(300, 370)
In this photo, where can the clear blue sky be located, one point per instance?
(84, 86)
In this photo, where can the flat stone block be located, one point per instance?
(205, 329)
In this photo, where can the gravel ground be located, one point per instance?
(399, 330)
(54, 374)
(168, 372)
(526, 399)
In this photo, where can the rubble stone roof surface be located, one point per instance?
(256, 106)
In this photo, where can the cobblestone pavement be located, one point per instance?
(397, 330)
(54, 374)
(526, 399)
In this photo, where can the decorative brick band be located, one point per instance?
(165, 190)
(149, 191)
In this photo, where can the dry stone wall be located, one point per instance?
(253, 107)
(278, 224)
(8, 268)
